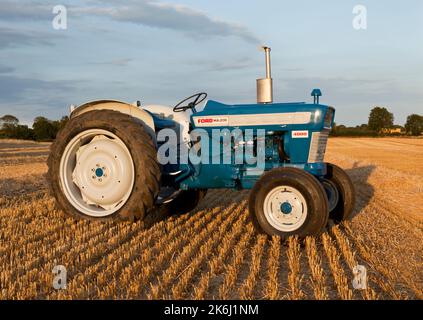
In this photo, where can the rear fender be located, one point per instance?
(119, 106)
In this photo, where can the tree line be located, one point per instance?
(42, 129)
(381, 122)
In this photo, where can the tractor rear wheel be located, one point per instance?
(288, 201)
(103, 165)
(340, 192)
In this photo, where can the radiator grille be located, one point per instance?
(318, 146)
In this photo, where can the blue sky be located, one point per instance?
(163, 51)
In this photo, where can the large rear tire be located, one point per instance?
(288, 201)
(338, 185)
(103, 165)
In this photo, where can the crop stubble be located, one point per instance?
(214, 252)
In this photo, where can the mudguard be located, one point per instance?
(120, 106)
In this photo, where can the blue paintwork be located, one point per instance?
(99, 172)
(316, 93)
(161, 123)
(297, 149)
(286, 208)
(244, 176)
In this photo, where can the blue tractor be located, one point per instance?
(120, 160)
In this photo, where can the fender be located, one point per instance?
(120, 106)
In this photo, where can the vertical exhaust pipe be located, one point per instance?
(265, 86)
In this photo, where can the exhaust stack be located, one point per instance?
(265, 86)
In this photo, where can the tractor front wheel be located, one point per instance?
(103, 165)
(288, 201)
(340, 192)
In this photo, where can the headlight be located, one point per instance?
(328, 118)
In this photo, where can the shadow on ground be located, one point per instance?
(363, 189)
(163, 212)
(359, 176)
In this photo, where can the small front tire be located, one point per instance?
(288, 201)
(338, 184)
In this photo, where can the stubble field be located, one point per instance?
(213, 252)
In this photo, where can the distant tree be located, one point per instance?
(414, 124)
(8, 125)
(8, 120)
(357, 131)
(380, 118)
(23, 132)
(43, 129)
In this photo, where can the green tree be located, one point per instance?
(8, 120)
(414, 124)
(380, 118)
(8, 125)
(23, 132)
(43, 129)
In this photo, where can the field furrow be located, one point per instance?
(214, 252)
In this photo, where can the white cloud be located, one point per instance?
(179, 18)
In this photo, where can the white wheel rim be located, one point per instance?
(285, 208)
(97, 173)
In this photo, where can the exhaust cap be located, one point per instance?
(316, 94)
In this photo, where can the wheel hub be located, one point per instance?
(99, 172)
(285, 208)
(103, 172)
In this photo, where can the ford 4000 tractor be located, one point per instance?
(120, 160)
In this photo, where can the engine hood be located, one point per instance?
(272, 116)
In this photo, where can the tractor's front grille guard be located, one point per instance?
(318, 146)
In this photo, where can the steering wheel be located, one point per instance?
(197, 99)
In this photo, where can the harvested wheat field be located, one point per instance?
(214, 252)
